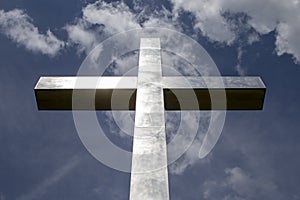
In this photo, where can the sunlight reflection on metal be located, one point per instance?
(111, 92)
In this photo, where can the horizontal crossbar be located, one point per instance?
(119, 93)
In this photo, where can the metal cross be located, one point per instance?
(150, 95)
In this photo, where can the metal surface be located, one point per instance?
(149, 177)
(149, 94)
(242, 93)
(213, 82)
(92, 93)
(55, 93)
(86, 82)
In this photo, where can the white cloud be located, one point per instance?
(208, 19)
(17, 26)
(287, 40)
(120, 123)
(247, 186)
(264, 17)
(239, 185)
(185, 134)
(100, 20)
(115, 16)
(126, 65)
(252, 38)
(79, 34)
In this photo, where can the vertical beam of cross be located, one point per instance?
(149, 177)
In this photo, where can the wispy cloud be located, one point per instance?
(59, 174)
(17, 26)
(241, 70)
(2, 197)
(189, 135)
(238, 184)
(247, 186)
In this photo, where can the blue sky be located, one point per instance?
(257, 155)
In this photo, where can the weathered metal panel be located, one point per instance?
(56, 93)
(213, 82)
(236, 99)
(242, 93)
(149, 178)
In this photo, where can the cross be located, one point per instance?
(150, 95)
